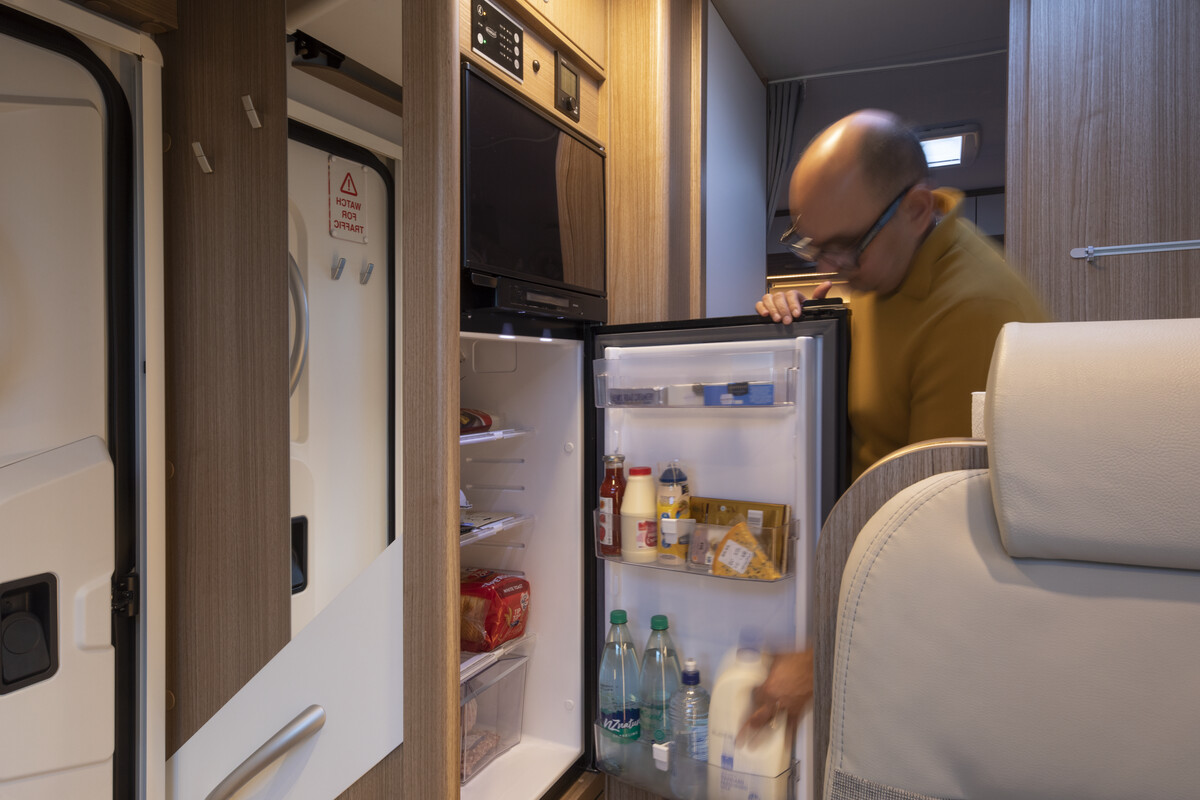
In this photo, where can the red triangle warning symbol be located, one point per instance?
(348, 186)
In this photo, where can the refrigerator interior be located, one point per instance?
(531, 464)
(339, 403)
(763, 453)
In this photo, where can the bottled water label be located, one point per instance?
(622, 722)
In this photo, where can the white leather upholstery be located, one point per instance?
(1093, 435)
(963, 672)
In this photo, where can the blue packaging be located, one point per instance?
(739, 394)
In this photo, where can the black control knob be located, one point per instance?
(570, 104)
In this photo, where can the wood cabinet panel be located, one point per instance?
(226, 312)
(538, 86)
(584, 23)
(1104, 114)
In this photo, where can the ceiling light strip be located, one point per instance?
(890, 66)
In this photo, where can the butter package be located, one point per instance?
(770, 521)
(740, 555)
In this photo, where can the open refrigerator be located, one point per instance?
(757, 412)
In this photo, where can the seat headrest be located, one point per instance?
(1093, 433)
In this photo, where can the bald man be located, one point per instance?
(930, 292)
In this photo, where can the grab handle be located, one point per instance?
(311, 720)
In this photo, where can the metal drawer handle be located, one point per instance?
(311, 720)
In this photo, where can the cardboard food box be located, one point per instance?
(769, 522)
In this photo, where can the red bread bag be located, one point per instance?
(494, 608)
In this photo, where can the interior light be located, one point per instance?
(950, 144)
(945, 151)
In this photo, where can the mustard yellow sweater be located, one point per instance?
(917, 354)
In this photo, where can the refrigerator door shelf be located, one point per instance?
(776, 545)
(683, 778)
(711, 374)
(492, 436)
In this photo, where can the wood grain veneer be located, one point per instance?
(538, 86)
(578, 26)
(1104, 116)
(864, 497)
(429, 323)
(226, 314)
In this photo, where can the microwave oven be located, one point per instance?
(533, 217)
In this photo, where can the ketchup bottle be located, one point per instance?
(612, 491)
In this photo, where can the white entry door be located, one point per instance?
(69, 433)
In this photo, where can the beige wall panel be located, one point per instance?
(228, 553)
(539, 86)
(1104, 116)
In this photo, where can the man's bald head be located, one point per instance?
(870, 147)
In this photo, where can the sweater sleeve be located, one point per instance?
(952, 362)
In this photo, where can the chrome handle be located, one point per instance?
(311, 720)
(300, 338)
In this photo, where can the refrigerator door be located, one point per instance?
(69, 425)
(753, 411)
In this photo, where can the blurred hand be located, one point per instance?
(785, 306)
(788, 687)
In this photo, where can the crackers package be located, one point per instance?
(494, 608)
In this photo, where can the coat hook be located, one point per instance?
(364, 274)
(336, 271)
(205, 167)
(251, 114)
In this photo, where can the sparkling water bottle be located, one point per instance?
(660, 679)
(619, 712)
(688, 718)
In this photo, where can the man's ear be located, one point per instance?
(918, 205)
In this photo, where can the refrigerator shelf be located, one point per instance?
(657, 769)
(491, 436)
(776, 545)
(727, 394)
(481, 532)
(471, 664)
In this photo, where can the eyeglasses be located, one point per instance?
(804, 249)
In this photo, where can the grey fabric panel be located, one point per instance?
(851, 787)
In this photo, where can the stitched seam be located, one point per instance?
(885, 533)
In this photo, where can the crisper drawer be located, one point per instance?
(713, 374)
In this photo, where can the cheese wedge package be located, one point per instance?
(739, 555)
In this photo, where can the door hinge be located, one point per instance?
(125, 595)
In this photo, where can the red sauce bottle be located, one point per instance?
(608, 523)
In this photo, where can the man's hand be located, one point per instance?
(785, 306)
(788, 687)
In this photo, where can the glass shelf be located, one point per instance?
(491, 436)
(739, 559)
(481, 532)
(471, 664)
(657, 769)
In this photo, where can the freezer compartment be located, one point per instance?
(658, 769)
(732, 552)
(715, 375)
(491, 712)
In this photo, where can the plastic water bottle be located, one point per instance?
(660, 679)
(688, 716)
(619, 711)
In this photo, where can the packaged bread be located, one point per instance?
(493, 607)
(739, 555)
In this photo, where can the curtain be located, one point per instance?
(783, 106)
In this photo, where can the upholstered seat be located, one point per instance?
(1032, 630)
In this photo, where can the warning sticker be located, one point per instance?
(347, 200)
